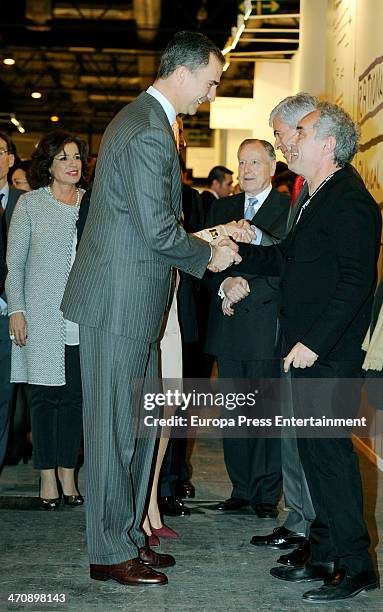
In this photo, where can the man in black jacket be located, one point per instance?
(244, 344)
(327, 265)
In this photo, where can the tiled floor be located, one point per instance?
(217, 570)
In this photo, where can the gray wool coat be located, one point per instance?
(39, 251)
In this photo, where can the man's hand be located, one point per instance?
(226, 307)
(300, 357)
(235, 288)
(18, 329)
(225, 253)
(240, 231)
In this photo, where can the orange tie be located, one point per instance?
(176, 132)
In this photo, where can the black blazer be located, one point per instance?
(13, 196)
(208, 199)
(83, 214)
(327, 265)
(189, 287)
(250, 334)
(2, 258)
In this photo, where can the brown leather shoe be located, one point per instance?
(131, 573)
(150, 557)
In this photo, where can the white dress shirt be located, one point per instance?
(4, 190)
(166, 105)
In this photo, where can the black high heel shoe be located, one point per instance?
(48, 504)
(70, 500)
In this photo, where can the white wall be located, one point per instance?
(271, 85)
(354, 79)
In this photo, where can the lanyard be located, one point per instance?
(305, 204)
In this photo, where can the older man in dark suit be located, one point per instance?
(244, 343)
(117, 291)
(8, 199)
(327, 265)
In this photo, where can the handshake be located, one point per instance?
(224, 250)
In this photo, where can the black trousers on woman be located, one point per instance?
(56, 418)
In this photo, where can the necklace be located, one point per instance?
(77, 202)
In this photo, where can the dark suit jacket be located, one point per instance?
(2, 258)
(207, 200)
(189, 287)
(13, 196)
(327, 265)
(83, 214)
(251, 333)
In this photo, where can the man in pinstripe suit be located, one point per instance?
(117, 292)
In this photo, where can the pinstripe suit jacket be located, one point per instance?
(121, 277)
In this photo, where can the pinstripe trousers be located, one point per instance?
(117, 460)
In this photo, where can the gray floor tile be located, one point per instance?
(217, 569)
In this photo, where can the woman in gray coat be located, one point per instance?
(45, 352)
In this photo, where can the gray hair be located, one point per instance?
(269, 149)
(190, 49)
(334, 121)
(293, 108)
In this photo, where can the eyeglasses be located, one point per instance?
(3, 152)
(65, 158)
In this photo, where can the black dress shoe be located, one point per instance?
(281, 538)
(172, 506)
(307, 573)
(266, 511)
(341, 586)
(298, 557)
(231, 504)
(185, 489)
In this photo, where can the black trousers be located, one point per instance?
(253, 464)
(338, 533)
(56, 418)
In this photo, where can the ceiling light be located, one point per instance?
(54, 118)
(17, 123)
(9, 61)
(238, 35)
(227, 64)
(248, 9)
(36, 95)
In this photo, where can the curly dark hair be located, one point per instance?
(49, 146)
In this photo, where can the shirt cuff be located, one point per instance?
(258, 233)
(221, 292)
(3, 307)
